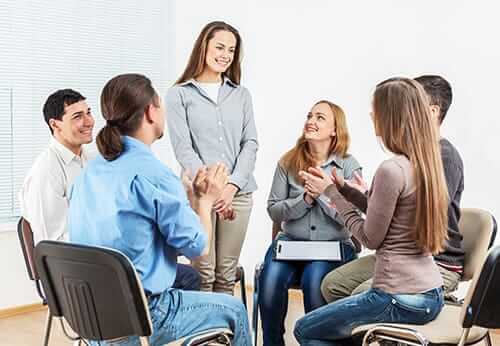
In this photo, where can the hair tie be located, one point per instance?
(112, 123)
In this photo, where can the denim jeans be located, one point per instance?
(332, 324)
(177, 313)
(187, 278)
(275, 280)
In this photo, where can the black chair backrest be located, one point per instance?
(494, 233)
(96, 289)
(25, 235)
(484, 307)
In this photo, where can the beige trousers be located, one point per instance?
(218, 269)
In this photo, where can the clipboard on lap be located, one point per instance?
(294, 250)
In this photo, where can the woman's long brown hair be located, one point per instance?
(403, 120)
(196, 62)
(299, 157)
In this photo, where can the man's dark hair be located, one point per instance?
(56, 102)
(439, 91)
(123, 102)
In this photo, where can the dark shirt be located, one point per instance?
(453, 254)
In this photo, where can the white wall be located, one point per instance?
(297, 52)
(16, 289)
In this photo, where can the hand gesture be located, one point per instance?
(209, 183)
(226, 198)
(227, 214)
(358, 183)
(337, 179)
(315, 181)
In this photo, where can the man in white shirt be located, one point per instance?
(43, 197)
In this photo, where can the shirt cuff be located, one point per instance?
(341, 204)
(196, 246)
(237, 181)
(324, 199)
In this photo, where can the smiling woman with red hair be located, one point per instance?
(304, 213)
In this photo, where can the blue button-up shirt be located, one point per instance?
(136, 205)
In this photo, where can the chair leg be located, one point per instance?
(255, 314)
(48, 326)
(144, 341)
(463, 338)
(488, 339)
(243, 288)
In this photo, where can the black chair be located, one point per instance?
(25, 235)
(27, 243)
(240, 277)
(99, 294)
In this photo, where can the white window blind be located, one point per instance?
(54, 44)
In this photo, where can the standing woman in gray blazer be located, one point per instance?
(210, 119)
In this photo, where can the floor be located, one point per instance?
(27, 329)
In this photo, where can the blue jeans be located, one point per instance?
(275, 280)
(187, 278)
(176, 314)
(332, 324)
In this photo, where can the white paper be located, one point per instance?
(308, 250)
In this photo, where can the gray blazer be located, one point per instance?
(204, 132)
(300, 220)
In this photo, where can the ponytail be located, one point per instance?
(109, 142)
(123, 101)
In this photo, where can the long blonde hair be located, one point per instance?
(299, 157)
(403, 120)
(196, 62)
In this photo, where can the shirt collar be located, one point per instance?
(230, 82)
(334, 159)
(225, 80)
(132, 143)
(66, 154)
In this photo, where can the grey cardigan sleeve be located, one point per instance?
(180, 136)
(245, 162)
(279, 205)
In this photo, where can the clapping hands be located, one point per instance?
(316, 181)
(210, 185)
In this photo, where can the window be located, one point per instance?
(49, 45)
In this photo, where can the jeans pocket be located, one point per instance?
(415, 308)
